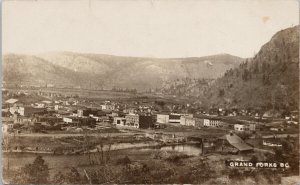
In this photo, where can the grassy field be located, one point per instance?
(155, 166)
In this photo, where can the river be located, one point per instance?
(58, 162)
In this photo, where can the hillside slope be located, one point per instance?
(107, 71)
(270, 80)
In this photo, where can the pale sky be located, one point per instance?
(151, 28)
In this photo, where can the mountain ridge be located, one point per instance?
(108, 71)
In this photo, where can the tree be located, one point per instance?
(221, 92)
(73, 177)
(278, 155)
(266, 79)
(283, 67)
(245, 75)
(35, 173)
(59, 178)
(263, 67)
(256, 69)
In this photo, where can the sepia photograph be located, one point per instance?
(150, 92)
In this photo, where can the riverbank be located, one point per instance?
(113, 147)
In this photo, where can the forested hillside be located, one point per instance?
(269, 81)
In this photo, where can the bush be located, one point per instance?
(176, 158)
(123, 161)
(35, 173)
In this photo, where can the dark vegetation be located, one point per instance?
(268, 81)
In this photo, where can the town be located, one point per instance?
(150, 92)
(53, 123)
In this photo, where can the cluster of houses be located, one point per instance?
(52, 114)
(69, 112)
(78, 113)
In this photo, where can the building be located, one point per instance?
(277, 129)
(208, 122)
(187, 115)
(11, 101)
(272, 142)
(7, 127)
(246, 127)
(145, 122)
(234, 141)
(49, 119)
(174, 118)
(29, 111)
(85, 112)
(132, 120)
(135, 121)
(57, 107)
(187, 121)
(119, 121)
(68, 119)
(76, 121)
(39, 105)
(107, 107)
(162, 118)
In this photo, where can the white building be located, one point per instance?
(39, 105)
(97, 118)
(246, 127)
(68, 119)
(107, 107)
(187, 121)
(57, 107)
(162, 118)
(272, 144)
(212, 123)
(6, 127)
(119, 121)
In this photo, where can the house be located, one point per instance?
(27, 110)
(209, 122)
(162, 118)
(187, 121)
(20, 119)
(7, 127)
(245, 127)
(295, 115)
